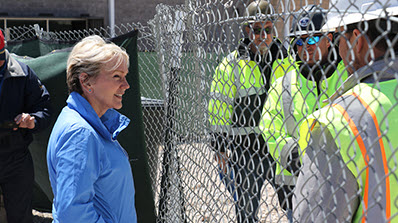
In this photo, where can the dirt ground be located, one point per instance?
(205, 196)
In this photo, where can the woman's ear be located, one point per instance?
(85, 82)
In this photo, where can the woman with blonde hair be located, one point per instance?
(90, 173)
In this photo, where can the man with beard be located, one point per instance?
(238, 93)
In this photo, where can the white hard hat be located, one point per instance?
(345, 12)
(309, 20)
(258, 11)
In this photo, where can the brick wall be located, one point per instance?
(126, 11)
(59, 8)
(133, 11)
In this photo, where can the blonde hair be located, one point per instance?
(89, 56)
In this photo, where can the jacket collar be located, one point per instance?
(14, 69)
(318, 72)
(109, 125)
(382, 69)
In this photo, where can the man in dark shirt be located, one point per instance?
(24, 109)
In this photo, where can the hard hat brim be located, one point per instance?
(337, 20)
(301, 33)
(258, 18)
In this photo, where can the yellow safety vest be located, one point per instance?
(290, 100)
(364, 125)
(236, 78)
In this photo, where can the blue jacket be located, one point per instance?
(20, 92)
(89, 171)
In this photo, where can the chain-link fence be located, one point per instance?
(242, 102)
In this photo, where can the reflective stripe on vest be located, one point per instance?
(287, 180)
(288, 104)
(250, 91)
(372, 148)
(222, 97)
(240, 93)
(291, 125)
(245, 91)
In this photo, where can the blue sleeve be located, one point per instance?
(77, 164)
(37, 100)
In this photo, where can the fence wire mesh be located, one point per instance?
(283, 98)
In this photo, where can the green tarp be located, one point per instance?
(49, 63)
(36, 47)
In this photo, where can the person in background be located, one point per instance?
(24, 109)
(350, 148)
(238, 93)
(315, 75)
(89, 171)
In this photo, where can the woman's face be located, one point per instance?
(108, 88)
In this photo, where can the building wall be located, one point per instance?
(126, 11)
(58, 8)
(133, 11)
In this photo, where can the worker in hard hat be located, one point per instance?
(317, 72)
(238, 93)
(350, 148)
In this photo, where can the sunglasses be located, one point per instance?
(311, 40)
(259, 30)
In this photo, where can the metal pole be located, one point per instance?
(111, 8)
(287, 23)
(168, 156)
(171, 182)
